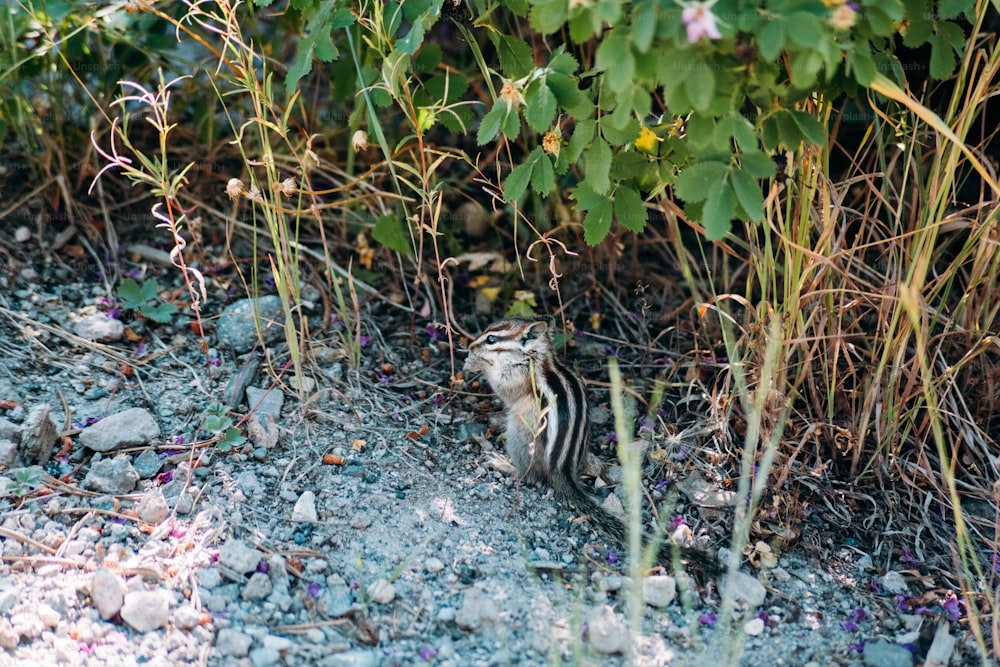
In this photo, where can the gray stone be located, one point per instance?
(99, 327)
(886, 654)
(125, 429)
(146, 610)
(152, 507)
(336, 600)
(355, 658)
(38, 436)
(147, 464)
(9, 431)
(107, 591)
(659, 590)
(748, 591)
(8, 454)
(186, 617)
(239, 556)
(305, 508)
(265, 656)
(477, 610)
(258, 588)
(382, 592)
(235, 389)
(232, 643)
(606, 631)
(236, 328)
(115, 476)
(266, 402)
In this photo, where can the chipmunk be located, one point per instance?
(547, 419)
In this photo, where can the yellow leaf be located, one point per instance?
(647, 140)
(491, 293)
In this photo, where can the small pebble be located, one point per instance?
(382, 592)
(146, 610)
(107, 591)
(754, 626)
(607, 632)
(305, 508)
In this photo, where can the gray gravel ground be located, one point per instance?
(397, 549)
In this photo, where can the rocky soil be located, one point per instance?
(361, 523)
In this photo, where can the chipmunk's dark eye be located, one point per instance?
(491, 339)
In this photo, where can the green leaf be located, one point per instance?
(597, 223)
(415, 37)
(542, 174)
(700, 89)
(567, 93)
(788, 130)
(717, 215)
(757, 164)
(563, 62)
(629, 209)
(150, 289)
(130, 294)
(516, 58)
(539, 106)
(804, 29)
(615, 58)
(644, 26)
(511, 122)
(390, 231)
(549, 16)
(949, 9)
(862, 65)
(517, 181)
(161, 312)
(813, 131)
(585, 198)
(490, 125)
(942, 58)
(428, 59)
(771, 39)
(583, 134)
(694, 183)
(748, 193)
(599, 166)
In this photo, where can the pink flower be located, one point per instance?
(700, 21)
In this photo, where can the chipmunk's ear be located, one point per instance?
(535, 330)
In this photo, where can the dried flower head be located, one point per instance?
(359, 141)
(843, 17)
(551, 142)
(287, 187)
(235, 188)
(511, 95)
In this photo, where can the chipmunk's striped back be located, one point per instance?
(548, 422)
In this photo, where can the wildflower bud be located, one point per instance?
(254, 194)
(359, 141)
(235, 188)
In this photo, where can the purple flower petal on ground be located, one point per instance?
(427, 653)
(849, 626)
(709, 619)
(952, 607)
(612, 556)
(858, 646)
(313, 591)
(859, 614)
(263, 566)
